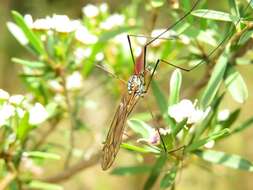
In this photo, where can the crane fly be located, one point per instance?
(138, 85)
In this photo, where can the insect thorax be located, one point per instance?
(136, 85)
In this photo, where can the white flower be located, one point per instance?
(62, 23)
(84, 36)
(4, 95)
(29, 20)
(6, 112)
(209, 144)
(185, 109)
(38, 114)
(20, 112)
(16, 99)
(42, 24)
(90, 11)
(154, 137)
(223, 115)
(74, 81)
(99, 56)
(79, 54)
(103, 7)
(112, 21)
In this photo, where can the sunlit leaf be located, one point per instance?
(215, 81)
(231, 119)
(214, 15)
(23, 127)
(140, 127)
(175, 85)
(131, 170)
(225, 159)
(43, 185)
(199, 143)
(31, 64)
(245, 125)
(156, 171)
(17, 33)
(169, 178)
(45, 155)
(33, 39)
(245, 37)
(144, 149)
(236, 85)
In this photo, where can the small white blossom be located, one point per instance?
(112, 21)
(4, 95)
(29, 20)
(42, 24)
(223, 115)
(99, 56)
(74, 81)
(103, 7)
(90, 11)
(84, 36)
(210, 144)
(6, 112)
(185, 109)
(154, 137)
(16, 99)
(20, 112)
(79, 54)
(38, 114)
(62, 24)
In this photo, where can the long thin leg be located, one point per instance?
(173, 37)
(170, 27)
(131, 49)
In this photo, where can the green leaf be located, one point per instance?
(33, 39)
(228, 160)
(145, 149)
(231, 119)
(214, 15)
(156, 171)
(175, 85)
(140, 127)
(17, 33)
(234, 8)
(251, 3)
(179, 127)
(215, 81)
(131, 170)
(45, 155)
(245, 37)
(236, 85)
(31, 64)
(23, 128)
(245, 125)
(202, 142)
(157, 3)
(43, 185)
(169, 178)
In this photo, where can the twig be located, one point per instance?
(74, 169)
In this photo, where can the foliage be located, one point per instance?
(64, 56)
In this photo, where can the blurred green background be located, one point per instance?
(94, 178)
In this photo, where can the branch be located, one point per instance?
(74, 169)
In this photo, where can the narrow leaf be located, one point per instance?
(145, 149)
(156, 171)
(23, 127)
(202, 142)
(33, 39)
(245, 37)
(43, 185)
(236, 85)
(45, 155)
(140, 127)
(215, 81)
(17, 33)
(31, 64)
(245, 125)
(214, 15)
(169, 178)
(225, 159)
(175, 85)
(131, 170)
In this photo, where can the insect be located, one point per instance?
(137, 86)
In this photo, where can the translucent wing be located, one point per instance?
(114, 136)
